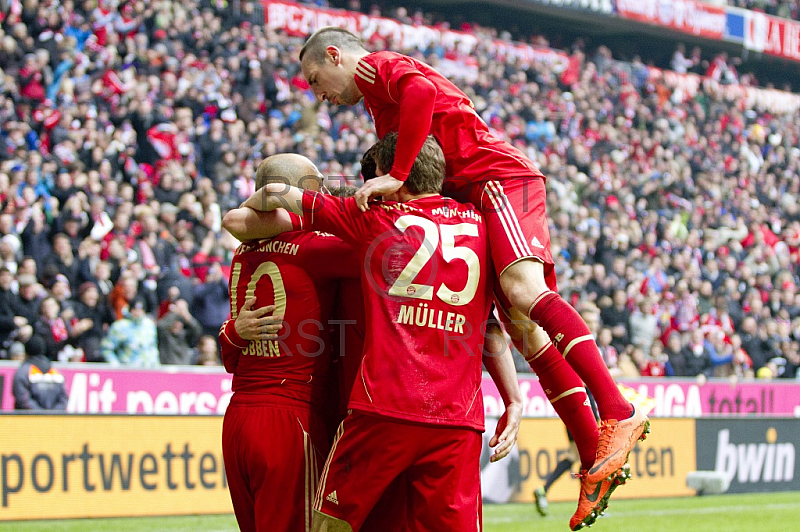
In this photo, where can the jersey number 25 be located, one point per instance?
(404, 285)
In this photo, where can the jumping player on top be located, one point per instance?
(406, 96)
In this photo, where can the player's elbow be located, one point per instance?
(235, 223)
(428, 88)
(493, 348)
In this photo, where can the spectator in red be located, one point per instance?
(103, 18)
(652, 364)
(31, 80)
(55, 331)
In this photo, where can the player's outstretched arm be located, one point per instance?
(276, 196)
(500, 365)
(247, 224)
(416, 96)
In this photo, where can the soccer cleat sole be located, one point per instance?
(645, 431)
(621, 476)
(601, 507)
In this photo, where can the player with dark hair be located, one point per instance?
(427, 288)
(406, 96)
(274, 435)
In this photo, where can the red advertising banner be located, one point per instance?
(687, 16)
(302, 20)
(771, 35)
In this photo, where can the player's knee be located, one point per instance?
(325, 523)
(522, 283)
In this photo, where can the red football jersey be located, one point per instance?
(472, 152)
(297, 272)
(427, 293)
(349, 333)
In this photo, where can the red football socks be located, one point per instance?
(566, 393)
(572, 338)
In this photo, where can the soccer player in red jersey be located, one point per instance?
(416, 407)
(274, 436)
(406, 96)
(347, 341)
(389, 513)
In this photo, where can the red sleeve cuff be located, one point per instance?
(311, 202)
(229, 333)
(297, 221)
(399, 174)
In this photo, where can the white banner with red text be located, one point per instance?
(687, 16)
(301, 20)
(771, 35)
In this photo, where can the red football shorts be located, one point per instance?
(273, 456)
(390, 512)
(441, 466)
(516, 219)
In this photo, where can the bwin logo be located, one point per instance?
(754, 462)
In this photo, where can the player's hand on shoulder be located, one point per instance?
(257, 324)
(379, 186)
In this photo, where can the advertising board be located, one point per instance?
(71, 466)
(98, 388)
(658, 465)
(754, 454)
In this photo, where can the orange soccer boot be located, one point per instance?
(593, 499)
(616, 440)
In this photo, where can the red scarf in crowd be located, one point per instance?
(59, 330)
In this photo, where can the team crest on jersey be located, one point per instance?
(454, 299)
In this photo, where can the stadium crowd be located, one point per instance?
(130, 129)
